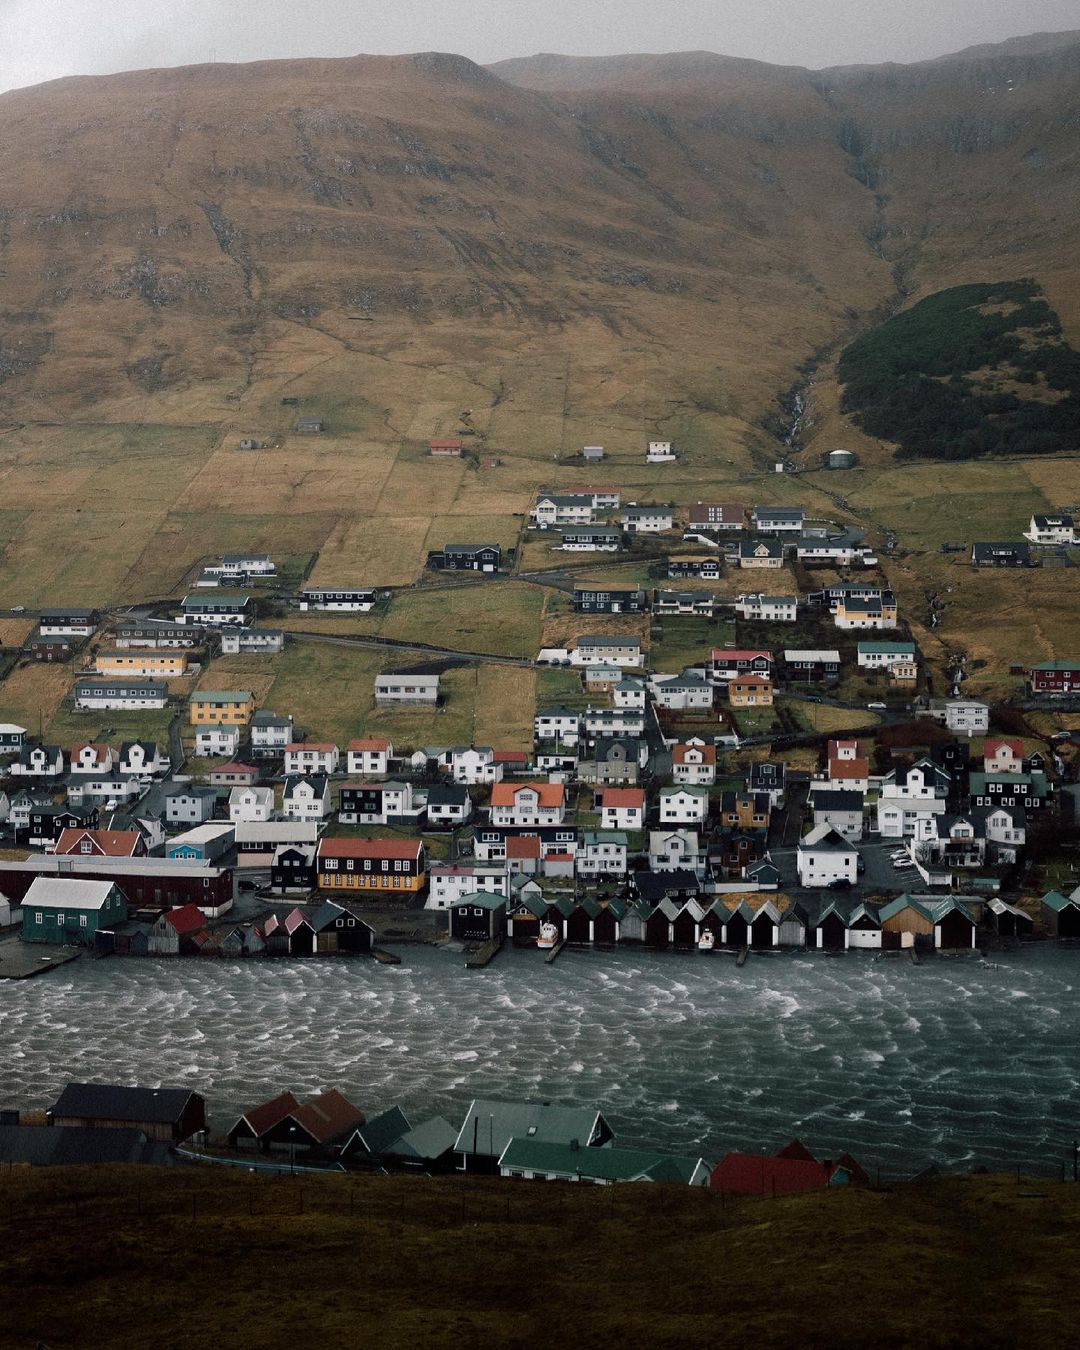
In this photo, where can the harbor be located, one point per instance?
(955, 1062)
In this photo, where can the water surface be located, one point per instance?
(954, 1061)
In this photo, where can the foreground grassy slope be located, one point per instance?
(103, 1256)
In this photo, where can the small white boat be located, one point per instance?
(549, 936)
(707, 941)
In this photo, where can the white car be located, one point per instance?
(878, 706)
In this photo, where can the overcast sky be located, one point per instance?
(43, 39)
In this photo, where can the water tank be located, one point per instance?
(841, 459)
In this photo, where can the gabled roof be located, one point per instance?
(377, 1134)
(185, 919)
(329, 1117)
(496, 1123)
(110, 843)
(369, 848)
(67, 893)
(824, 839)
(550, 795)
(428, 1142)
(622, 798)
(603, 1164)
(105, 1101)
(370, 745)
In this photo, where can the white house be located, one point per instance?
(448, 883)
(682, 692)
(674, 850)
(694, 762)
(143, 758)
(38, 761)
(1003, 755)
(67, 622)
(908, 796)
(528, 804)
(660, 452)
(566, 508)
(474, 764)
(629, 693)
(251, 803)
(270, 734)
(683, 805)
(448, 804)
(594, 650)
(825, 856)
(647, 519)
(842, 808)
(561, 725)
(210, 742)
(614, 722)
(967, 717)
(622, 808)
(406, 687)
(112, 693)
(311, 757)
(602, 854)
(189, 805)
(91, 758)
(306, 797)
(1056, 529)
(883, 655)
(370, 755)
(767, 608)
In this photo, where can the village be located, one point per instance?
(719, 764)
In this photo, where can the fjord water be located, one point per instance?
(957, 1061)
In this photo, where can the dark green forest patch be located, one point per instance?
(971, 371)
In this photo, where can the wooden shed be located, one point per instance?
(478, 918)
(1009, 920)
(831, 930)
(1061, 914)
(905, 923)
(606, 923)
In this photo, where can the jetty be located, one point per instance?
(740, 960)
(485, 955)
(23, 962)
(384, 957)
(550, 957)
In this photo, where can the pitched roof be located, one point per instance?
(106, 1101)
(370, 744)
(607, 1164)
(185, 919)
(267, 1114)
(67, 893)
(111, 843)
(849, 768)
(754, 1174)
(625, 798)
(523, 846)
(549, 794)
(376, 1134)
(369, 848)
(328, 1117)
(496, 1123)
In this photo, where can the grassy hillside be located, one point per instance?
(99, 1257)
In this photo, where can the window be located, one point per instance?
(39, 917)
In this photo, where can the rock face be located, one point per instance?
(167, 227)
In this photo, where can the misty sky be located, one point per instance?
(44, 39)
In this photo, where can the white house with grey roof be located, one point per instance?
(593, 649)
(647, 519)
(406, 687)
(112, 692)
(767, 608)
(824, 856)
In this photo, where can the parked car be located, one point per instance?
(840, 884)
(878, 706)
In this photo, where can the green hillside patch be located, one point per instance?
(973, 370)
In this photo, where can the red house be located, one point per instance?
(792, 1170)
(1055, 677)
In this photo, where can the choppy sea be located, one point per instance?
(954, 1062)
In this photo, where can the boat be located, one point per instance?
(707, 941)
(549, 936)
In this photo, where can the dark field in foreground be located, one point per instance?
(194, 1258)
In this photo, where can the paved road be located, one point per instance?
(424, 648)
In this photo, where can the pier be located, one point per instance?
(485, 955)
(19, 961)
(551, 956)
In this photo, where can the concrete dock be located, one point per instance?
(485, 955)
(24, 960)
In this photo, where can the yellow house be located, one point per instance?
(904, 672)
(230, 707)
(371, 865)
(169, 664)
(750, 691)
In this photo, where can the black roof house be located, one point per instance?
(162, 1113)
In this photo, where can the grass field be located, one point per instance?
(998, 1246)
